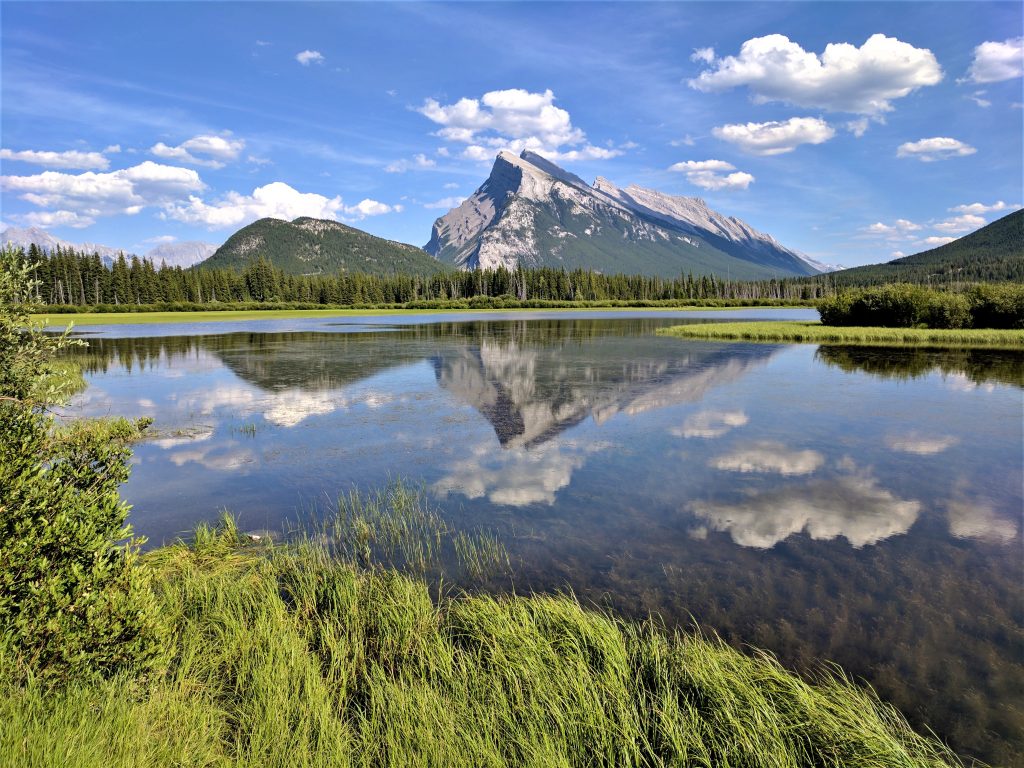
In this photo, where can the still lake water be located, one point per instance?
(857, 505)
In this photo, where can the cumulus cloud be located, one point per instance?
(936, 241)
(82, 161)
(844, 78)
(90, 195)
(708, 424)
(515, 120)
(777, 137)
(850, 506)
(445, 203)
(713, 174)
(209, 150)
(937, 148)
(47, 219)
(769, 458)
(276, 200)
(995, 61)
(966, 223)
(707, 55)
(921, 445)
(978, 209)
(898, 230)
(307, 57)
(418, 162)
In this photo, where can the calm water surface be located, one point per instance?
(857, 505)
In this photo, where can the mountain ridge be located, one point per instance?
(176, 254)
(532, 212)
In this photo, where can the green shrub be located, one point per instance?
(997, 306)
(72, 602)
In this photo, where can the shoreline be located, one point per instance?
(801, 332)
(54, 320)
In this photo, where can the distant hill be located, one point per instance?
(309, 246)
(532, 213)
(993, 253)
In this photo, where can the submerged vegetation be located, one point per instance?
(816, 333)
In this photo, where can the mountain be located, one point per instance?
(531, 212)
(317, 246)
(993, 253)
(173, 254)
(184, 254)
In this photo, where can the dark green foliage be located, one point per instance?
(903, 305)
(72, 602)
(315, 246)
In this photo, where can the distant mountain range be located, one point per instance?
(184, 254)
(530, 211)
(319, 246)
(994, 252)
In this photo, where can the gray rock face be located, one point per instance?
(182, 255)
(531, 212)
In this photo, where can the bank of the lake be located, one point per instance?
(816, 333)
(285, 656)
(61, 319)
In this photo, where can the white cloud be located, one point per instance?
(82, 161)
(515, 120)
(451, 185)
(276, 200)
(936, 241)
(713, 174)
(966, 223)
(307, 57)
(976, 97)
(921, 445)
(853, 507)
(776, 138)
(47, 219)
(898, 230)
(937, 148)
(980, 208)
(160, 239)
(708, 424)
(216, 151)
(686, 141)
(844, 78)
(769, 458)
(994, 61)
(91, 195)
(113, 149)
(897, 255)
(445, 203)
(707, 55)
(857, 127)
(418, 162)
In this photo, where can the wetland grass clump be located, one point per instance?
(816, 333)
(287, 655)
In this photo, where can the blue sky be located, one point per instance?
(851, 131)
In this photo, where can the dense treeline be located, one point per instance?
(73, 278)
(903, 305)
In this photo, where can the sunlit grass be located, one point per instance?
(289, 655)
(812, 332)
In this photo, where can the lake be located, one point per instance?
(857, 505)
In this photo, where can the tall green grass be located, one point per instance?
(288, 655)
(811, 332)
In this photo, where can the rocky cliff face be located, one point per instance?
(531, 212)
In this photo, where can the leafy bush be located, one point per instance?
(72, 602)
(902, 305)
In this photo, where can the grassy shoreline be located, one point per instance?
(285, 655)
(206, 316)
(815, 333)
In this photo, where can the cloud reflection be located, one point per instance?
(708, 424)
(768, 457)
(921, 445)
(978, 520)
(849, 506)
